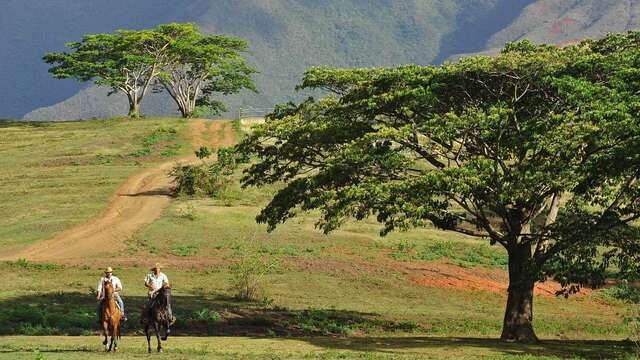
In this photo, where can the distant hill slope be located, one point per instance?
(287, 36)
(567, 21)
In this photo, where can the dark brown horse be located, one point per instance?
(158, 315)
(110, 317)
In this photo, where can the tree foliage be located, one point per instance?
(189, 65)
(126, 61)
(199, 66)
(536, 149)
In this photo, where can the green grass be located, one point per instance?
(405, 347)
(344, 295)
(56, 175)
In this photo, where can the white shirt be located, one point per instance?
(117, 285)
(156, 282)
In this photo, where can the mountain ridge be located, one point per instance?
(288, 36)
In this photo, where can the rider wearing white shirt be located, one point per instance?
(117, 287)
(154, 281)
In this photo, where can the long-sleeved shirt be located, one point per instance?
(117, 285)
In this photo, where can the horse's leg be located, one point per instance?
(157, 329)
(114, 337)
(146, 332)
(105, 332)
(111, 331)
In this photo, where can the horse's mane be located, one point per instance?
(163, 297)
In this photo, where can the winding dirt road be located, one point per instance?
(137, 202)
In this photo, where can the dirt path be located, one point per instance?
(137, 202)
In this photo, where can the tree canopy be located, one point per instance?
(536, 149)
(126, 61)
(199, 66)
(189, 65)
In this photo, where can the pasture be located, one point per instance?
(351, 294)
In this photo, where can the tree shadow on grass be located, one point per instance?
(202, 315)
(75, 314)
(415, 345)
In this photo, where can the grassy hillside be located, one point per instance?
(56, 175)
(353, 294)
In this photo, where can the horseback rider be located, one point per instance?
(154, 281)
(117, 286)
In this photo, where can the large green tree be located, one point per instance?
(536, 150)
(126, 61)
(198, 66)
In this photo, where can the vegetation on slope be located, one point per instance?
(61, 174)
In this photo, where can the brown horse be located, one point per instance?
(110, 317)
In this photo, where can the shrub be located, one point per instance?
(187, 212)
(196, 180)
(247, 277)
(624, 292)
(206, 179)
(205, 314)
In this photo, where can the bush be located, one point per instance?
(206, 315)
(247, 277)
(624, 292)
(187, 212)
(206, 179)
(197, 180)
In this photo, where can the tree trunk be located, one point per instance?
(134, 109)
(186, 109)
(518, 317)
(186, 113)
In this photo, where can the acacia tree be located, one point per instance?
(126, 61)
(536, 150)
(199, 66)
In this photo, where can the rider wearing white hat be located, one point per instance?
(154, 281)
(117, 287)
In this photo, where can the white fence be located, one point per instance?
(247, 113)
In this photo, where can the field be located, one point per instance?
(351, 294)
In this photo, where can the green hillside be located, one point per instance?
(57, 175)
(419, 294)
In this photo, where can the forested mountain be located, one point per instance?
(286, 37)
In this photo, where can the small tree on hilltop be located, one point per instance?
(126, 61)
(199, 66)
(536, 149)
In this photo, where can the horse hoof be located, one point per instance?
(104, 343)
(159, 350)
(149, 350)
